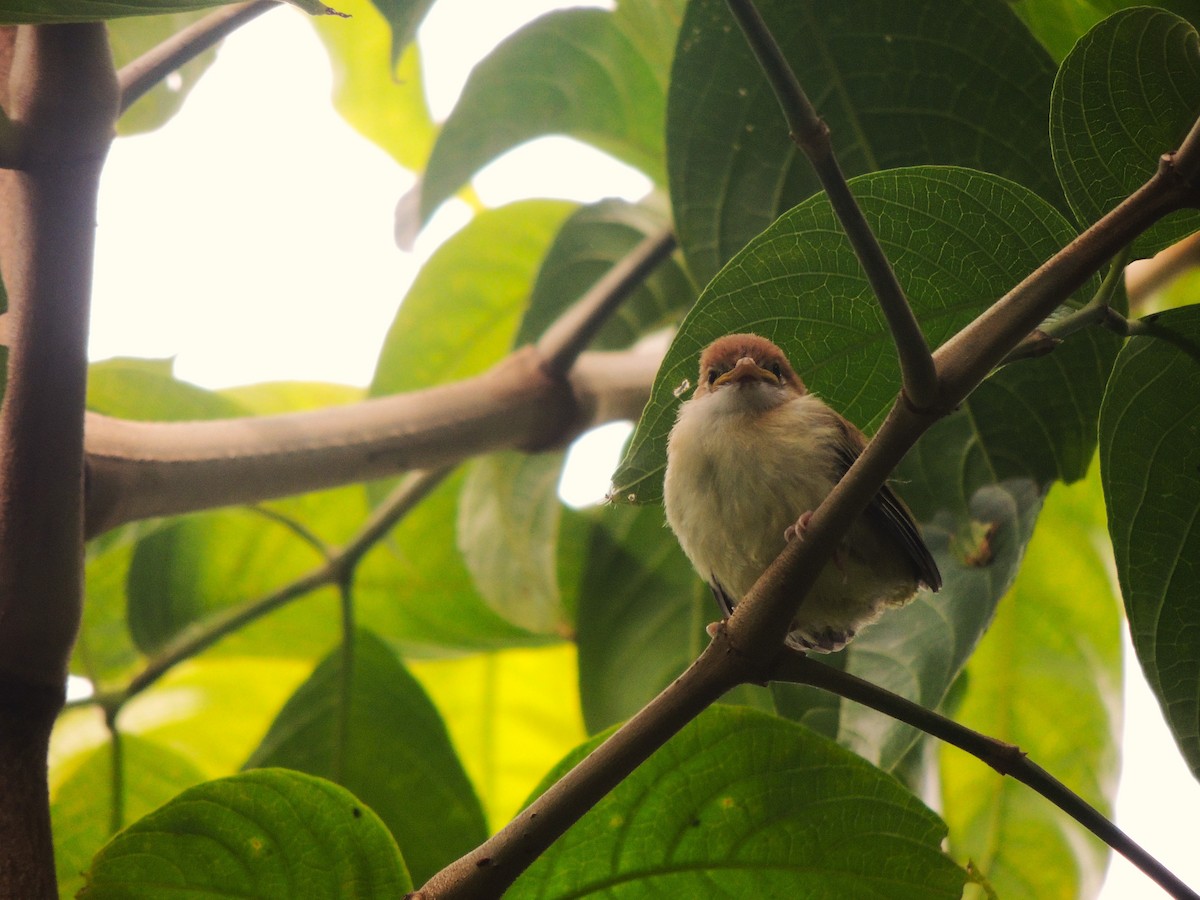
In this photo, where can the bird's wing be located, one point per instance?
(724, 601)
(889, 511)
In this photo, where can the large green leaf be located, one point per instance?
(413, 589)
(81, 809)
(395, 754)
(234, 697)
(1127, 93)
(642, 615)
(265, 834)
(573, 72)
(957, 239)
(508, 521)
(460, 314)
(104, 652)
(384, 102)
(147, 390)
(591, 242)
(1058, 24)
(1046, 677)
(742, 804)
(188, 573)
(1150, 465)
(512, 715)
(947, 82)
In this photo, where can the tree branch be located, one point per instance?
(60, 91)
(490, 868)
(137, 78)
(567, 337)
(1007, 759)
(811, 135)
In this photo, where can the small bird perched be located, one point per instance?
(751, 455)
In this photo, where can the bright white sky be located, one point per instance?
(251, 239)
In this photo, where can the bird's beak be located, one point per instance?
(746, 370)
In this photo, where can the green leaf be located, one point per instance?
(269, 833)
(395, 755)
(230, 696)
(382, 102)
(194, 569)
(413, 589)
(511, 714)
(642, 615)
(104, 651)
(460, 314)
(591, 242)
(899, 84)
(147, 390)
(957, 240)
(573, 72)
(1150, 466)
(1058, 24)
(742, 804)
(403, 16)
(129, 39)
(508, 520)
(1126, 94)
(1049, 666)
(81, 806)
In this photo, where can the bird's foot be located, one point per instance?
(797, 528)
(826, 640)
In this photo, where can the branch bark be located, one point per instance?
(141, 469)
(61, 92)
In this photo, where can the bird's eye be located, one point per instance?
(777, 370)
(712, 375)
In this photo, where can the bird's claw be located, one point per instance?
(797, 528)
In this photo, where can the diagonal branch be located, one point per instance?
(135, 79)
(573, 331)
(1006, 759)
(811, 135)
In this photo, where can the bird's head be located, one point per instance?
(740, 361)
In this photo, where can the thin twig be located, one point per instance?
(411, 491)
(811, 135)
(1007, 759)
(575, 329)
(138, 77)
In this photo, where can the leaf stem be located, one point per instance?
(135, 79)
(1007, 759)
(341, 735)
(811, 135)
(116, 817)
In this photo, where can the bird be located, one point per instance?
(751, 454)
